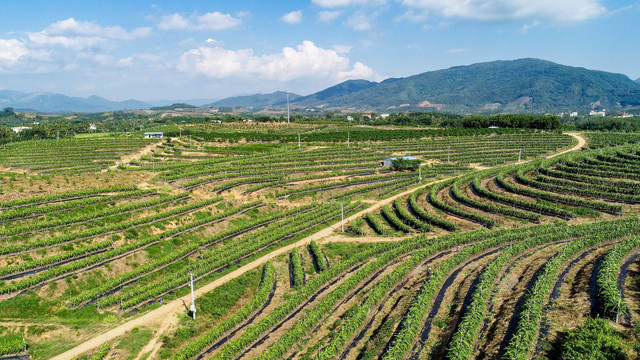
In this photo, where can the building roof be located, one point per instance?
(154, 133)
(402, 157)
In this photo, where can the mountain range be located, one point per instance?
(58, 103)
(524, 85)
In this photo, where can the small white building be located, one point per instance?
(18, 129)
(153, 135)
(574, 114)
(388, 162)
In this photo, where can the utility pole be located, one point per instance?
(348, 138)
(519, 156)
(448, 153)
(299, 146)
(193, 301)
(420, 172)
(287, 107)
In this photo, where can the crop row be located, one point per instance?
(431, 219)
(394, 221)
(295, 261)
(32, 210)
(607, 280)
(57, 271)
(232, 252)
(16, 248)
(36, 200)
(87, 216)
(433, 199)
(408, 218)
(531, 312)
(318, 256)
(157, 264)
(207, 339)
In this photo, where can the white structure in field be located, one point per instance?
(153, 135)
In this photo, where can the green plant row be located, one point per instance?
(357, 226)
(31, 210)
(402, 182)
(155, 265)
(621, 165)
(207, 339)
(11, 344)
(461, 345)
(607, 279)
(586, 185)
(408, 218)
(557, 185)
(374, 223)
(433, 199)
(584, 169)
(348, 182)
(102, 353)
(297, 274)
(532, 206)
(431, 219)
(16, 248)
(116, 210)
(233, 252)
(57, 271)
(318, 256)
(380, 289)
(598, 205)
(611, 184)
(64, 196)
(528, 325)
(51, 260)
(394, 221)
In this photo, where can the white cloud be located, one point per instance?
(510, 10)
(293, 17)
(305, 61)
(360, 21)
(174, 22)
(72, 27)
(11, 50)
(412, 16)
(342, 49)
(344, 3)
(209, 21)
(328, 16)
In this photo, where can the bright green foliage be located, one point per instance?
(297, 275)
(102, 353)
(318, 256)
(594, 340)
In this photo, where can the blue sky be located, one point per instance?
(151, 50)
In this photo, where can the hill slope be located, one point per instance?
(256, 101)
(529, 85)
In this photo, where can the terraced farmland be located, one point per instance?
(495, 248)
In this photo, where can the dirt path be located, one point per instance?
(128, 157)
(166, 316)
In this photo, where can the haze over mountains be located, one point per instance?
(524, 85)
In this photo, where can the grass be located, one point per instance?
(133, 341)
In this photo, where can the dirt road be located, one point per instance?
(166, 316)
